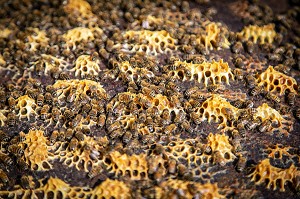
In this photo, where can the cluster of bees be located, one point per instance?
(134, 100)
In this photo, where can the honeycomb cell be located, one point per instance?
(273, 177)
(277, 82)
(263, 34)
(130, 72)
(36, 38)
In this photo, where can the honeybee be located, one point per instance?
(172, 166)
(145, 102)
(61, 135)
(73, 144)
(54, 72)
(11, 102)
(2, 96)
(180, 116)
(76, 120)
(170, 129)
(256, 91)
(53, 137)
(101, 120)
(86, 108)
(127, 137)
(3, 177)
(297, 113)
(11, 119)
(26, 183)
(16, 150)
(72, 95)
(64, 76)
(250, 80)
(238, 74)
(251, 111)
(150, 124)
(166, 117)
(291, 99)
(238, 103)
(114, 126)
(50, 89)
(273, 97)
(237, 47)
(40, 100)
(44, 112)
(104, 54)
(218, 158)
(195, 118)
(190, 91)
(4, 137)
(149, 92)
(214, 88)
(6, 159)
(241, 163)
(22, 165)
(94, 172)
(251, 125)
(265, 126)
(68, 114)
(48, 98)
(173, 86)
(55, 114)
(186, 126)
(93, 114)
(283, 68)
(116, 133)
(195, 103)
(248, 104)
(69, 134)
(79, 135)
(229, 114)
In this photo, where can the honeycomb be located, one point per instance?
(50, 63)
(37, 38)
(155, 42)
(56, 188)
(87, 87)
(263, 34)
(26, 107)
(130, 72)
(273, 177)
(87, 153)
(278, 82)
(207, 73)
(217, 109)
(279, 151)
(135, 166)
(213, 35)
(80, 34)
(282, 124)
(36, 153)
(204, 190)
(220, 143)
(85, 66)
